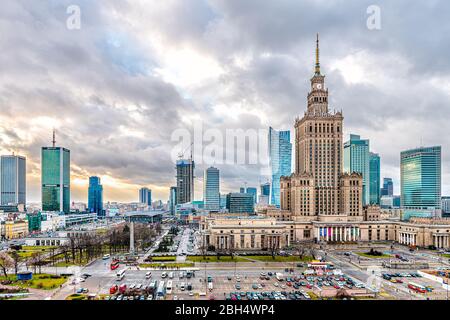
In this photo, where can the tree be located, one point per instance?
(342, 294)
(36, 260)
(6, 262)
(16, 258)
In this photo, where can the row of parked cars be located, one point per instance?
(130, 298)
(273, 295)
(389, 276)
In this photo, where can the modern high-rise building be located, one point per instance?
(242, 189)
(95, 196)
(280, 159)
(12, 180)
(252, 191)
(145, 196)
(223, 201)
(55, 171)
(374, 178)
(388, 187)
(445, 206)
(420, 176)
(265, 189)
(185, 180)
(264, 194)
(356, 159)
(240, 203)
(211, 189)
(173, 200)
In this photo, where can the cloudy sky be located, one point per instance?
(117, 89)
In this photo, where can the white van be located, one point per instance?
(171, 275)
(279, 276)
(210, 286)
(182, 286)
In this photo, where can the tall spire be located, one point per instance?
(317, 70)
(54, 138)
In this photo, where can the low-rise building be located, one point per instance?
(16, 229)
(243, 233)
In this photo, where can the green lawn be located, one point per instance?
(216, 259)
(27, 251)
(167, 265)
(446, 255)
(163, 259)
(280, 258)
(39, 281)
(366, 255)
(248, 258)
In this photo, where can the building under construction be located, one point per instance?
(185, 180)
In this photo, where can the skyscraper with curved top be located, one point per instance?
(421, 181)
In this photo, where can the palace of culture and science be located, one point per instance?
(319, 202)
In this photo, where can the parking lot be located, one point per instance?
(220, 285)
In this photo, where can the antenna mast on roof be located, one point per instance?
(54, 138)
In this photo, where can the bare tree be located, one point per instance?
(16, 258)
(6, 262)
(36, 260)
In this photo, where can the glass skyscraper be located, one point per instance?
(240, 203)
(265, 189)
(420, 178)
(12, 180)
(173, 200)
(375, 178)
(280, 157)
(211, 189)
(253, 191)
(95, 196)
(55, 179)
(145, 196)
(388, 187)
(356, 159)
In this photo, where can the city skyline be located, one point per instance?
(387, 95)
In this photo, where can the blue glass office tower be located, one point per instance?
(55, 171)
(211, 189)
(375, 178)
(356, 159)
(420, 178)
(280, 157)
(173, 200)
(253, 191)
(12, 180)
(388, 187)
(95, 196)
(145, 196)
(265, 189)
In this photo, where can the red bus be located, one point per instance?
(114, 264)
(113, 289)
(417, 287)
